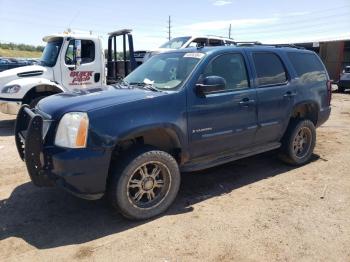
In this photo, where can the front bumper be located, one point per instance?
(82, 172)
(8, 106)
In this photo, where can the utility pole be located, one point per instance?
(229, 32)
(169, 28)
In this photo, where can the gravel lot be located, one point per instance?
(255, 209)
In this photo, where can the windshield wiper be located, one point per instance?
(145, 86)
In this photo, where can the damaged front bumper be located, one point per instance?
(83, 172)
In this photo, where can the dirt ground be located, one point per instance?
(255, 209)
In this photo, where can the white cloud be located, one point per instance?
(223, 24)
(222, 2)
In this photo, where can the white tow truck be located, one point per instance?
(69, 61)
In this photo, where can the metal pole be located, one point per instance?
(169, 28)
(124, 54)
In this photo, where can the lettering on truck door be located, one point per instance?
(88, 73)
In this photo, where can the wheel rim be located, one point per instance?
(149, 185)
(302, 142)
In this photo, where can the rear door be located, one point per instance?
(89, 73)
(275, 95)
(225, 121)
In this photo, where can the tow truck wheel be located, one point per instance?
(144, 183)
(35, 101)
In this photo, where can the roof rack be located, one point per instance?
(247, 43)
(284, 45)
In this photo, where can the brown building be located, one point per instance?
(334, 54)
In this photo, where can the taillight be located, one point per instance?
(329, 92)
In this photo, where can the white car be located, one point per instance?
(189, 41)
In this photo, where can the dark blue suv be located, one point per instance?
(180, 111)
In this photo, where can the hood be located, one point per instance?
(24, 72)
(92, 99)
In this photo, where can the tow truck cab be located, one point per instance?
(69, 61)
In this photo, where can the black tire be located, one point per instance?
(298, 143)
(128, 180)
(35, 101)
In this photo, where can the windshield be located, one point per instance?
(176, 43)
(51, 51)
(165, 71)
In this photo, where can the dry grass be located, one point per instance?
(19, 53)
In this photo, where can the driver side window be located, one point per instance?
(232, 68)
(69, 57)
(87, 52)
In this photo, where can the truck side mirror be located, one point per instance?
(77, 53)
(210, 84)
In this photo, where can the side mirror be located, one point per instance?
(210, 84)
(77, 53)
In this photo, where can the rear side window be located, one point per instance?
(269, 69)
(216, 42)
(308, 67)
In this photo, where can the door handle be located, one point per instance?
(289, 94)
(71, 67)
(245, 102)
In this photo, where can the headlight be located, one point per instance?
(11, 89)
(72, 130)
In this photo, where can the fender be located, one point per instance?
(177, 138)
(27, 84)
(305, 103)
(302, 103)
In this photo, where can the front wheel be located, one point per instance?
(144, 183)
(298, 143)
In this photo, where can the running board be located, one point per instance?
(204, 163)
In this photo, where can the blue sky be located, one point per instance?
(269, 21)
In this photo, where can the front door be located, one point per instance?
(225, 121)
(88, 73)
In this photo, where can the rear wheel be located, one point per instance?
(298, 143)
(144, 183)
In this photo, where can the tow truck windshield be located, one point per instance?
(51, 52)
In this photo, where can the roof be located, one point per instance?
(71, 34)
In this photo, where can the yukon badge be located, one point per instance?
(201, 130)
